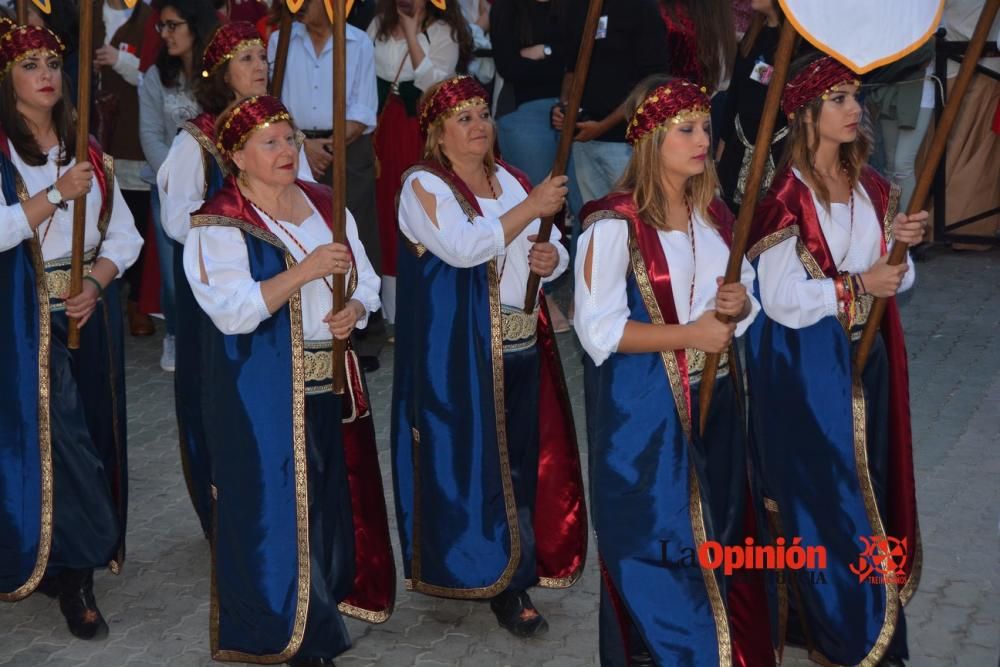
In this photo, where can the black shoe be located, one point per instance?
(369, 363)
(311, 662)
(641, 658)
(507, 607)
(77, 603)
(892, 662)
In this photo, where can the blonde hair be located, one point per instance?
(801, 153)
(432, 142)
(642, 176)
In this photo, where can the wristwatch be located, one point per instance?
(55, 197)
(547, 50)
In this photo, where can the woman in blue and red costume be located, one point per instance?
(296, 488)
(233, 66)
(833, 453)
(489, 494)
(651, 257)
(63, 480)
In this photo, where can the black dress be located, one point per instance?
(744, 107)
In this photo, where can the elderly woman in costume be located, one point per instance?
(834, 457)
(62, 423)
(234, 65)
(296, 489)
(652, 257)
(488, 503)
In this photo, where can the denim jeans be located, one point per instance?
(528, 142)
(165, 254)
(599, 165)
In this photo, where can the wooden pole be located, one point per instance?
(281, 53)
(568, 131)
(741, 234)
(339, 173)
(86, 51)
(22, 12)
(929, 167)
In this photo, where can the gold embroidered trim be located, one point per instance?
(676, 382)
(44, 423)
(510, 505)
(695, 359)
(871, 508)
(889, 222)
(418, 249)
(373, 617)
(809, 262)
(605, 214)
(109, 199)
(242, 225)
(318, 364)
(774, 521)
(711, 583)
(301, 508)
(519, 329)
(57, 282)
(208, 147)
(771, 240)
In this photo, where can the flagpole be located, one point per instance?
(741, 233)
(568, 132)
(339, 169)
(926, 178)
(86, 55)
(281, 53)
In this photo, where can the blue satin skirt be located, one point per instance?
(720, 462)
(521, 372)
(331, 529)
(86, 523)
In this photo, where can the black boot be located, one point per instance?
(509, 605)
(76, 601)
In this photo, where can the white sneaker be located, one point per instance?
(167, 359)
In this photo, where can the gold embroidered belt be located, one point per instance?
(57, 272)
(318, 355)
(696, 364)
(520, 330)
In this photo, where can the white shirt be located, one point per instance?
(307, 90)
(181, 182)
(233, 299)
(440, 56)
(602, 311)
(457, 242)
(127, 65)
(122, 243)
(787, 293)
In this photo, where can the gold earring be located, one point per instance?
(242, 178)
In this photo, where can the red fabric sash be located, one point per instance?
(789, 203)
(374, 589)
(560, 509)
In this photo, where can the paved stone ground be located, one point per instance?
(158, 607)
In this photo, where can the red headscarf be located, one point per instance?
(452, 96)
(251, 114)
(674, 102)
(227, 41)
(18, 42)
(815, 80)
